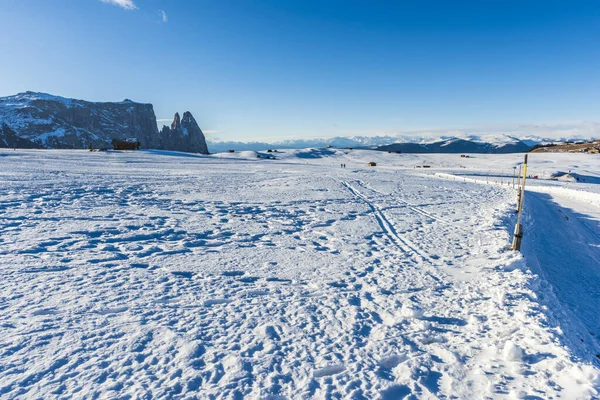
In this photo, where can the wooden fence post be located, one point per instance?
(518, 234)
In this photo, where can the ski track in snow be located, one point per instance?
(145, 275)
(403, 244)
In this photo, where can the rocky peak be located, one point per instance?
(41, 120)
(188, 118)
(184, 135)
(50, 121)
(176, 122)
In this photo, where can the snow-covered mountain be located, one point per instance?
(457, 145)
(339, 141)
(487, 143)
(414, 144)
(41, 120)
(9, 139)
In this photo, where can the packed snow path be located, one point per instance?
(149, 275)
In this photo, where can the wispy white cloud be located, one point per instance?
(126, 4)
(163, 16)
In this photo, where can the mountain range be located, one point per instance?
(489, 143)
(40, 120)
(457, 145)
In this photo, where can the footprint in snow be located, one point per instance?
(165, 301)
(392, 361)
(256, 293)
(107, 311)
(249, 279)
(183, 274)
(395, 392)
(271, 332)
(233, 273)
(46, 311)
(212, 302)
(280, 280)
(46, 269)
(329, 370)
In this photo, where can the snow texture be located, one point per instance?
(159, 274)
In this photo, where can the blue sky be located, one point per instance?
(256, 69)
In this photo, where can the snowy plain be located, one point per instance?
(168, 275)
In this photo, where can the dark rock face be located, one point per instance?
(9, 139)
(44, 121)
(57, 122)
(176, 124)
(184, 135)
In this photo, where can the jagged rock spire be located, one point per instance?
(184, 135)
(176, 122)
(188, 118)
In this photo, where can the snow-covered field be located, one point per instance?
(168, 275)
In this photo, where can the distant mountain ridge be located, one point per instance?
(456, 145)
(489, 143)
(495, 144)
(41, 120)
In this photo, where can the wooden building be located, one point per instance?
(127, 144)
